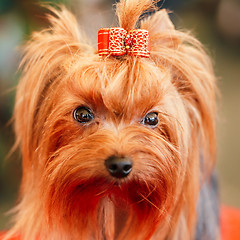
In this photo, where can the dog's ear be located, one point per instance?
(160, 28)
(63, 23)
(158, 22)
(62, 38)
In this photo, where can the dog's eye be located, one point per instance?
(83, 114)
(151, 119)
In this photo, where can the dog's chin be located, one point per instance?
(131, 194)
(85, 196)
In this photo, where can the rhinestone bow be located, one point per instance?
(118, 41)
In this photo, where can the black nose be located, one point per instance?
(118, 167)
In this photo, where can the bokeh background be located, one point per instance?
(215, 22)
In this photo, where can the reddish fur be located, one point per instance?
(66, 192)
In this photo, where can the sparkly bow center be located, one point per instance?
(128, 42)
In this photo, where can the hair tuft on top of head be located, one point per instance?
(129, 11)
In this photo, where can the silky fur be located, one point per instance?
(66, 191)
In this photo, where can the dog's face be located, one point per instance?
(103, 137)
(120, 135)
(112, 131)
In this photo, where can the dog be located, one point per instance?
(119, 142)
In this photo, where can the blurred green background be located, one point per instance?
(215, 22)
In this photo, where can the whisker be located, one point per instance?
(145, 198)
(101, 193)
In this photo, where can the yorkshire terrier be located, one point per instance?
(117, 143)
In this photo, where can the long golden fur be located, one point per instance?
(66, 192)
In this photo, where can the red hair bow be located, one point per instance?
(118, 41)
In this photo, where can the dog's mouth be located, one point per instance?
(128, 190)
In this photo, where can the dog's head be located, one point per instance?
(102, 134)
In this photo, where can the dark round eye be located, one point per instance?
(151, 119)
(83, 115)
